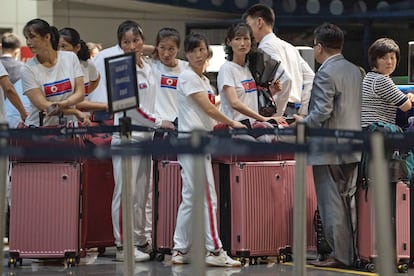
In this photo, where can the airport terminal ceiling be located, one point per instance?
(363, 20)
(306, 7)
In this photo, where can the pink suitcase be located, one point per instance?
(166, 200)
(366, 230)
(311, 204)
(44, 214)
(98, 187)
(253, 210)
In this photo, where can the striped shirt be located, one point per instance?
(380, 99)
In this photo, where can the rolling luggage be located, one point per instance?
(253, 210)
(166, 201)
(44, 211)
(97, 190)
(311, 204)
(401, 224)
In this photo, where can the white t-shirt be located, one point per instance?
(90, 73)
(297, 70)
(166, 79)
(190, 115)
(57, 83)
(3, 73)
(144, 115)
(100, 93)
(239, 77)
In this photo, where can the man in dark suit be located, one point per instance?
(335, 104)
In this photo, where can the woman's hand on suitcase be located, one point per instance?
(167, 124)
(83, 118)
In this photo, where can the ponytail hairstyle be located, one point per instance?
(42, 28)
(72, 37)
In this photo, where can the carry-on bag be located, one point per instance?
(44, 211)
(254, 210)
(401, 225)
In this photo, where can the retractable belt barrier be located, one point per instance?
(214, 142)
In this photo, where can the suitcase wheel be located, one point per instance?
(159, 257)
(101, 251)
(402, 268)
(370, 267)
(281, 258)
(242, 261)
(72, 261)
(13, 262)
(253, 261)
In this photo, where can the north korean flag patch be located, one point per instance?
(169, 81)
(57, 88)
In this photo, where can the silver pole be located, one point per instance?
(127, 204)
(299, 208)
(3, 174)
(199, 181)
(378, 168)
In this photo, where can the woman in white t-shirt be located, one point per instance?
(166, 67)
(197, 112)
(53, 80)
(70, 41)
(131, 40)
(235, 83)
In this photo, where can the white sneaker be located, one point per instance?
(221, 259)
(139, 256)
(179, 257)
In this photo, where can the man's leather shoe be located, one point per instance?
(329, 262)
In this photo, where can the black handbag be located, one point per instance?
(263, 69)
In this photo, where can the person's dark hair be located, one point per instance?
(238, 29)
(260, 10)
(168, 33)
(42, 28)
(126, 26)
(72, 37)
(10, 41)
(193, 41)
(380, 48)
(330, 36)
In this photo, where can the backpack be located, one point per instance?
(401, 165)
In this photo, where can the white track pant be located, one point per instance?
(182, 235)
(140, 179)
